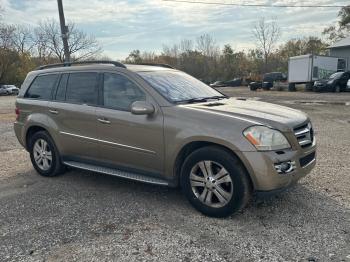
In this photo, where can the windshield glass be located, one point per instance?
(336, 75)
(178, 86)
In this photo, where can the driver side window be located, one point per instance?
(119, 92)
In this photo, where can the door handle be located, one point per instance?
(53, 111)
(103, 121)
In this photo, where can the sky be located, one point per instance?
(121, 26)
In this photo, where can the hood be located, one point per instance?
(254, 112)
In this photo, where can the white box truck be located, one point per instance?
(306, 69)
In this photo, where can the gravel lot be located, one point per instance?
(91, 217)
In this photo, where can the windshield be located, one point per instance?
(177, 86)
(336, 75)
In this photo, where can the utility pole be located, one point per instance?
(64, 31)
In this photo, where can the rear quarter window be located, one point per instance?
(42, 86)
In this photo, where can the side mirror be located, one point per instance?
(142, 108)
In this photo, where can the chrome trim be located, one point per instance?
(110, 143)
(304, 136)
(292, 167)
(304, 131)
(311, 162)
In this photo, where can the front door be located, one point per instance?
(129, 141)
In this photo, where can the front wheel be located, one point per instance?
(44, 155)
(215, 182)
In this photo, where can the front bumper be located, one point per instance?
(261, 166)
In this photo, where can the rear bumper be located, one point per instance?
(264, 175)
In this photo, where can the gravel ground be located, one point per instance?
(83, 216)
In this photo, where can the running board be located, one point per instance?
(117, 173)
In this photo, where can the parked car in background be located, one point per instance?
(337, 82)
(12, 89)
(270, 78)
(3, 90)
(158, 125)
(268, 81)
(218, 84)
(255, 85)
(233, 82)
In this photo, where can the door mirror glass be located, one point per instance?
(142, 108)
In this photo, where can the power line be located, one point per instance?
(253, 5)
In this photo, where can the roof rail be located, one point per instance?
(81, 63)
(155, 64)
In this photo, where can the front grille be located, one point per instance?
(304, 135)
(304, 161)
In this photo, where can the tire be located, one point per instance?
(337, 89)
(267, 86)
(39, 141)
(309, 86)
(235, 184)
(291, 88)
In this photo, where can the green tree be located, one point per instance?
(342, 28)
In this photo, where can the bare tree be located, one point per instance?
(23, 39)
(186, 45)
(81, 45)
(266, 35)
(6, 36)
(207, 45)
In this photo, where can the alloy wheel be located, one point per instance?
(211, 183)
(42, 154)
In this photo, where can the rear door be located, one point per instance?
(73, 115)
(128, 140)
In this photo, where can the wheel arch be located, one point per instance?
(190, 147)
(31, 131)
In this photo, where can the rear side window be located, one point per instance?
(42, 87)
(61, 89)
(82, 88)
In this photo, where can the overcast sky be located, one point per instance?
(122, 26)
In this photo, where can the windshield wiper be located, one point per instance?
(201, 99)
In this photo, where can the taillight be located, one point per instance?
(17, 113)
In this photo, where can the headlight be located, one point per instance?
(265, 138)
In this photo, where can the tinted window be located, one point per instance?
(82, 88)
(119, 92)
(61, 89)
(42, 86)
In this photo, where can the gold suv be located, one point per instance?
(155, 124)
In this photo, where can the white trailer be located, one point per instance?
(306, 69)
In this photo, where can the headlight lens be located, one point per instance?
(265, 138)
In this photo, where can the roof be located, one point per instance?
(146, 68)
(341, 43)
(131, 67)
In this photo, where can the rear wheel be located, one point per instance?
(291, 87)
(215, 182)
(337, 89)
(44, 155)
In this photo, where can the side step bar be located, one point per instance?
(117, 173)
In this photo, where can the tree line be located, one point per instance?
(22, 48)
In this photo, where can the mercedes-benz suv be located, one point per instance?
(156, 124)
